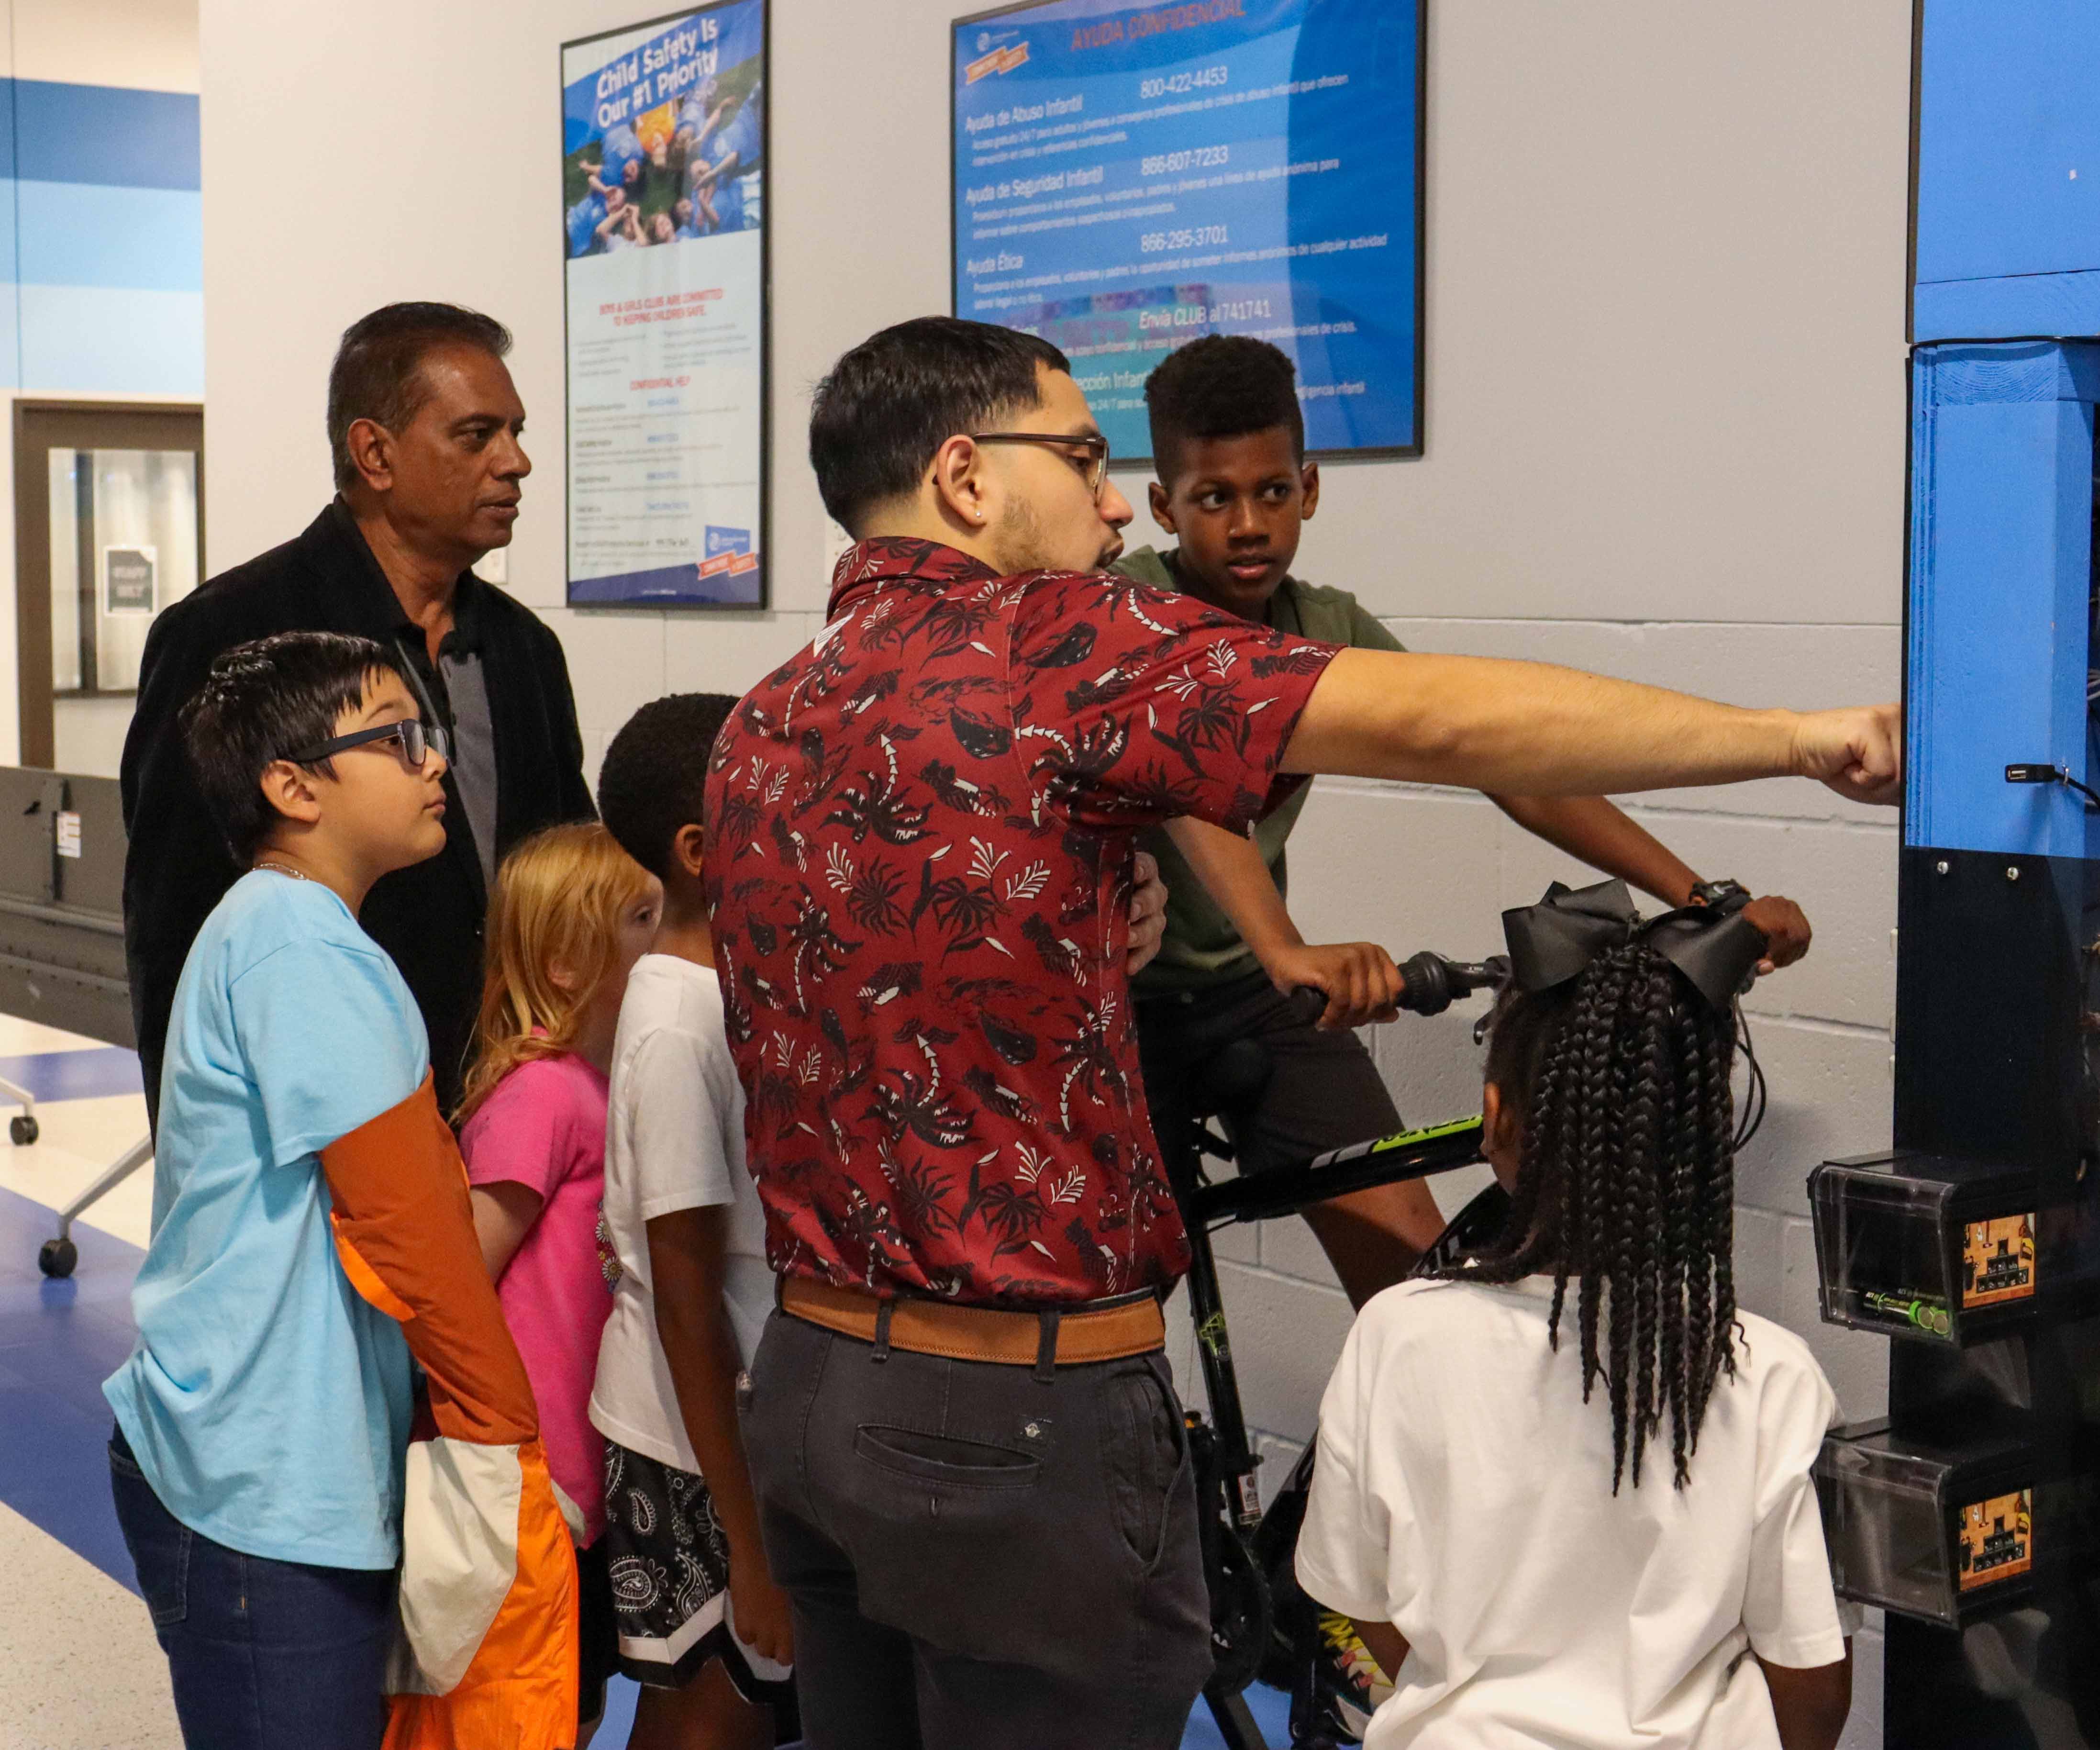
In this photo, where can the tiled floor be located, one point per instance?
(79, 1669)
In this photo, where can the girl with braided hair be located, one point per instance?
(1563, 1487)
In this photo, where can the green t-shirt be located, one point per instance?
(1203, 948)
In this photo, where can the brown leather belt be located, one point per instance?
(980, 1333)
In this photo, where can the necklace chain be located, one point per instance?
(282, 869)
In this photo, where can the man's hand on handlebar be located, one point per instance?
(1360, 981)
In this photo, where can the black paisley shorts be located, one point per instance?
(668, 1557)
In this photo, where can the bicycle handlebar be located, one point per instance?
(1431, 984)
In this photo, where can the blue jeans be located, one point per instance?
(264, 1654)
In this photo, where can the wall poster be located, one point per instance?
(1127, 178)
(664, 270)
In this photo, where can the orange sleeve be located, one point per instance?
(404, 1233)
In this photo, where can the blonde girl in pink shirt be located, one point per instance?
(571, 914)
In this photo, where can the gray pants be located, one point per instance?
(979, 1557)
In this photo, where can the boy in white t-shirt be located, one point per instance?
(703, 1626)
(1534, 1567)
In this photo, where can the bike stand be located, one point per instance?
(56, 1258)
(1237, 1724)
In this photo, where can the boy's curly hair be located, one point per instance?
(1620, 1078)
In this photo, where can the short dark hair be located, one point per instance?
(1222, 385)
(894, 399)
(378, 369)
(261, 702)
(654, 778)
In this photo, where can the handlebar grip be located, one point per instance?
(1306, 1004)
(1427, 982)
(1430, 984)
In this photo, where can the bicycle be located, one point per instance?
(1241, 1543)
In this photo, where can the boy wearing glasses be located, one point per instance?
(312, 1232)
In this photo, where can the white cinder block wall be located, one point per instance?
(1665, 435)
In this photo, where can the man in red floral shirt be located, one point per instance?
(966, 1442)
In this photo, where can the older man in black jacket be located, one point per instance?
(424, 424)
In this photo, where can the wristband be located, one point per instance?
(1724, 895)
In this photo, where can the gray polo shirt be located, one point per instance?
(473, 747)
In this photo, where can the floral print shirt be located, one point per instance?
(920, 836)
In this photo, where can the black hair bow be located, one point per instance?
(1716, 948)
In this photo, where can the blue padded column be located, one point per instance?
(2000, 561)
(2008, 169)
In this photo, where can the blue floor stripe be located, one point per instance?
(58, 1341)
(1271, 1708)
(76, 1075)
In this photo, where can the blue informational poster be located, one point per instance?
(663, 249)
(1127, 179)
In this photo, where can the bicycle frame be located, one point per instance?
(1226, 1463)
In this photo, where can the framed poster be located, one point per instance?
(1125, 178)
(664, 280)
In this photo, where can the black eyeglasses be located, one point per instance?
(1095, 472)
(418, 741)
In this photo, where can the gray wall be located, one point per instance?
(1665, 426)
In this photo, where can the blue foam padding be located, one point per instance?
(2024, 304)
(2008, 141)
(2001, 535)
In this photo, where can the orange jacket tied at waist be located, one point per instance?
(488, 1651)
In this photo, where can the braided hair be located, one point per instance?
(1619, 1079)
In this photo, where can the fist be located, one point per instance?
(1857, 752)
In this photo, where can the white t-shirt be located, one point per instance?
(1463, 1493)
(673, 1140)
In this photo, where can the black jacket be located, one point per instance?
(428, 917)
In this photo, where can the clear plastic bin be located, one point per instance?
(1936, 1248)
(1930, 1532)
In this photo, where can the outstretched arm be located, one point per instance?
(1530, 729)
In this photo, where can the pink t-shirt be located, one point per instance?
(543, 1127)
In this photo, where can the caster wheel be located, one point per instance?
(22, 1129)
(56, 1258)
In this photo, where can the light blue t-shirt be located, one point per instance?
(267, 1403)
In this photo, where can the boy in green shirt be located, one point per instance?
(1234, 488)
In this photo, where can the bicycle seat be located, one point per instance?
(1232, 1078)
